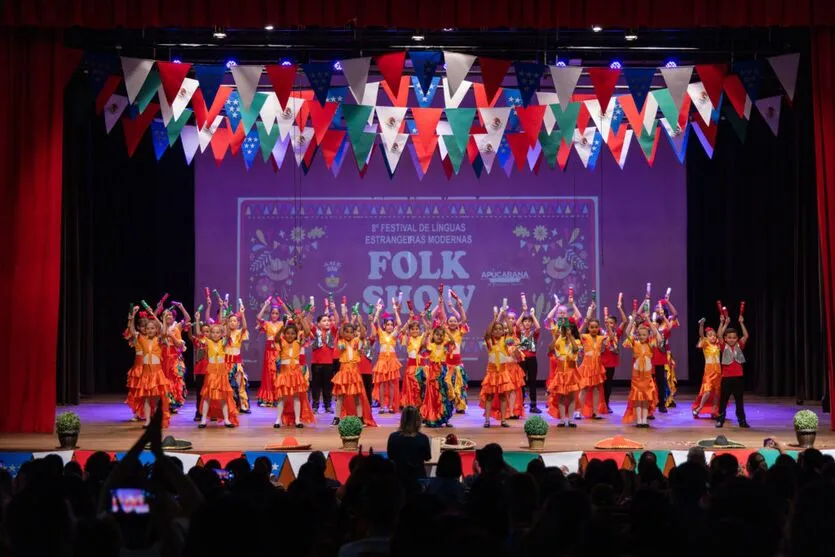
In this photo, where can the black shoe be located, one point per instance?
(299, 426)
(663, 409)
(276, 426)
(720, 423)
(328, 410)
(744, 425)
(460, 411)
(572, 424)
(609, 410)
(247, 411)
(650, 417)
(486, 425)
(335, 421)
(229, 425)
(513, 418)
(596, 417)
(561, 424)
(505, 424)
(197, 417)
(200, 426)
(535, 410)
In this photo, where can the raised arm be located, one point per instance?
(673, 310)
(186, 316)
(620, 310)
(242, 309)
(723, 324)
(744, 338)
(260, 316)
(701, 329)
(461, 310)
(132, 321)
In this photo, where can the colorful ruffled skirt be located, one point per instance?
(564, 383)
(457, 385)
(239, 382)
(216, 390)
(517, 375)
(175, 372)
(290, 382)
(386, 379)
(436, 407)
(497, 382)
(410, 393)
(592, 378)
(135, 404)
(347, 383)
(153, 384)
(711, 383)
(266, 393)
(642, 390)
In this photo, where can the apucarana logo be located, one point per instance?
(504, 277)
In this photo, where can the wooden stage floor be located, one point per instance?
(106, 426)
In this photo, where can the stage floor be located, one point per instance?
(106, 426)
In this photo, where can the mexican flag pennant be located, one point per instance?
(107, 90)
(770, 110)
(713, 80)
(393, 148)
(176, 126)
(113, 111)
(785, 68)
(136, 72)
(649, 144)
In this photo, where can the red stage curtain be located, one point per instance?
(823, 83)
(34, 67)
(431, 14)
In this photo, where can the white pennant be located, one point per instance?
(66, 456)
(785, 68)
(247, 78)
(187, 89)
(452, 101)
(390, 118)
(627, 140)
(370, 97)
(301, 140)
(650, 112)
(443, 128)
(495, 120)
(680, 457)
(533, 155)
(565, 80)
(677, 80)
(602, 120)
(547, 98)
(701, 100)
(355, 71)
(568, 462)
(204, 136)
(287, 116)
(394, 148)
(191, 141)
(136, 71)
(457, 67)
(164, 107)
(189, 460)
(488, 146)
(269, 112)
(113, 110)
(442, 149)
(280, 149)
(583, 144)
(770, 110)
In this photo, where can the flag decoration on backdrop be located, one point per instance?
(519, 127)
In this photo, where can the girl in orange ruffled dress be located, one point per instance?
(708, 399)
(152, 386)
(135, 372)
(173, 361)
(217, 398)
(591, 370)
(387, 369)
(436, 407)
(347, 382)
(497, 381)
(236, 333)
(201, 358)
(412, 339)
(290, 383)
(565, 385)
(643, 395)
(270, 328)
(516, 398)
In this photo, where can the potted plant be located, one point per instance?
(536, 429)
(350, 429)
(67, 426)
(806, 428)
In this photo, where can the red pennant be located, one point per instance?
(402, 98)
(472, 149)
(713, 78)
(448, 169)
(330, 144)
(658, 132)
(203, 116)
(81, 457)
(220, 143)
(222, 458)
(603, 80)
(172, 76)
(106, 92)
(618, 456)
(615, 142)
(635, 118)
(493, 71)
(481, 98)
(736, 93)
(135, 128)
(391, 68)
(519, 147)
(563, 154)
(684, 112)
(282, 78)
(322, 116)
(309, 154)
(531, 119)
(584, 114)
(304, 111)
(538, 164)
(425, 149)
(426, 120)
(236, 139)
(339, 461)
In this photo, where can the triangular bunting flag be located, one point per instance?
(391, 68)
(750, 73)
(738, 123)
(584, 144)
(457, 67)
(108, 89)
(617, 116)
(452, 101)
(391, 121)
(370, 97)
(666, 104)
(183, 96)
(737, 95)
(172, 75)
(356, 116)
(266, 139)
(250, 148)
(706, 135)
(190, 141)
(233, 109)
(282, 78)
(424, 96)
(519, 145)
(301, 140)
(205, 134)
(149, 90)
(280, 150)
(159, 137)
(528, 76)
(770, 110)
(677, 137)
(487, 148)
(136, 71)
(319, 74)
(269, 112)
(113, 111)
(175, 126)
(566, 120)
(134, 129)
(210, 78)
(355, 71)
(460, 120)
(619, 144)
(701, 100)
(100, 67)
(639, 81)
(362, 145)
(246, 80)
(288, 115)
(204, 116)
(424, 150)
(546, 98)
(236, 139)
(426, 120)
(424, 64)
(649, 144)
(713, 80)
(531, 120)
(603, 80)
(330, 145)
(164, 108)
(677, 80)
(454, 152)
(785, 68)
(495, 120)
(402, 97)
(493, 71)
(321, 118)
(565, 81)
(602, 119)
(550, 145)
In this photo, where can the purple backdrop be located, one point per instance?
(260, 232)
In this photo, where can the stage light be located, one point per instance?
(418, 38)
(219, 33)
(615, 65)
(230, 64)
(670, 63)
(337, 66)
(596, 28)
(177, 61)
(448, 29)
(286, 62)
(560, 63)
(631, 36)
(268, 28)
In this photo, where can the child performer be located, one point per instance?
(497, 381)
(591, 371)
(732, 360)
(610, 358)
(516, 398)
(528, 329)
(135, 372)
(323, 342)
(413, 340)
(708, 399)
(563, 389)
(436, 408)
(237, 332)
(661, 357)
(366, 347)
(456, 326)
(152, 387)
(643, 395)
(201, 357)
(387, 369)
(347, 382)
(216, 390)
(270, 328)
(290, 383)
(173, 361)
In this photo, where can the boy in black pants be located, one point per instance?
(733, 382)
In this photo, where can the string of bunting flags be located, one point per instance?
(483, 122)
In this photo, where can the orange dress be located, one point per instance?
(235, 366)
(497, 380)
(135, 404)
(410, 393)
(643, 378)
(711, 380)
(152, 383)
(266, 393)
(216, 385)
(387, 370)
(566, 380)
(347, 382)
(175, 366)
(517, 375)
(592, 374)
(290, 382)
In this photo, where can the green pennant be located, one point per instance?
(356, 116)
(518, 460)
(266, 139)
(550, 147)
(148, 91)
(176, 126)
(248, 116)
(566, 120)
(460, 120)
(647, 139)
(456, 155)
(362, 145)
(738, 123)
(660, 458)
(667, 105)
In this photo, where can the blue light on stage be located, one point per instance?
(337, 66)
(286, 62)
(616, 65)
(177, 61)
(231, 63)
(560, 63)
(671, 63)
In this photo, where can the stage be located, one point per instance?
(106, 426)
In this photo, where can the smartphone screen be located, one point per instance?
(129, 501)
(224, 475)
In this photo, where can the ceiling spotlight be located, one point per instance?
(177, 61)
(286, 62)
(448, 29)
(560, 63)
(671, 64)
(615, 65)
(418, 38)
(596, 28)
(337, 66)
(219, 33)
(230, 64)
(631, 36)
(268, 28)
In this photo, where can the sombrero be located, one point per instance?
(168, 442)
(287, 444)
(618, 442)
(721, 442)
(453, 443)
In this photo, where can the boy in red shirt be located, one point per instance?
(733, 382)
